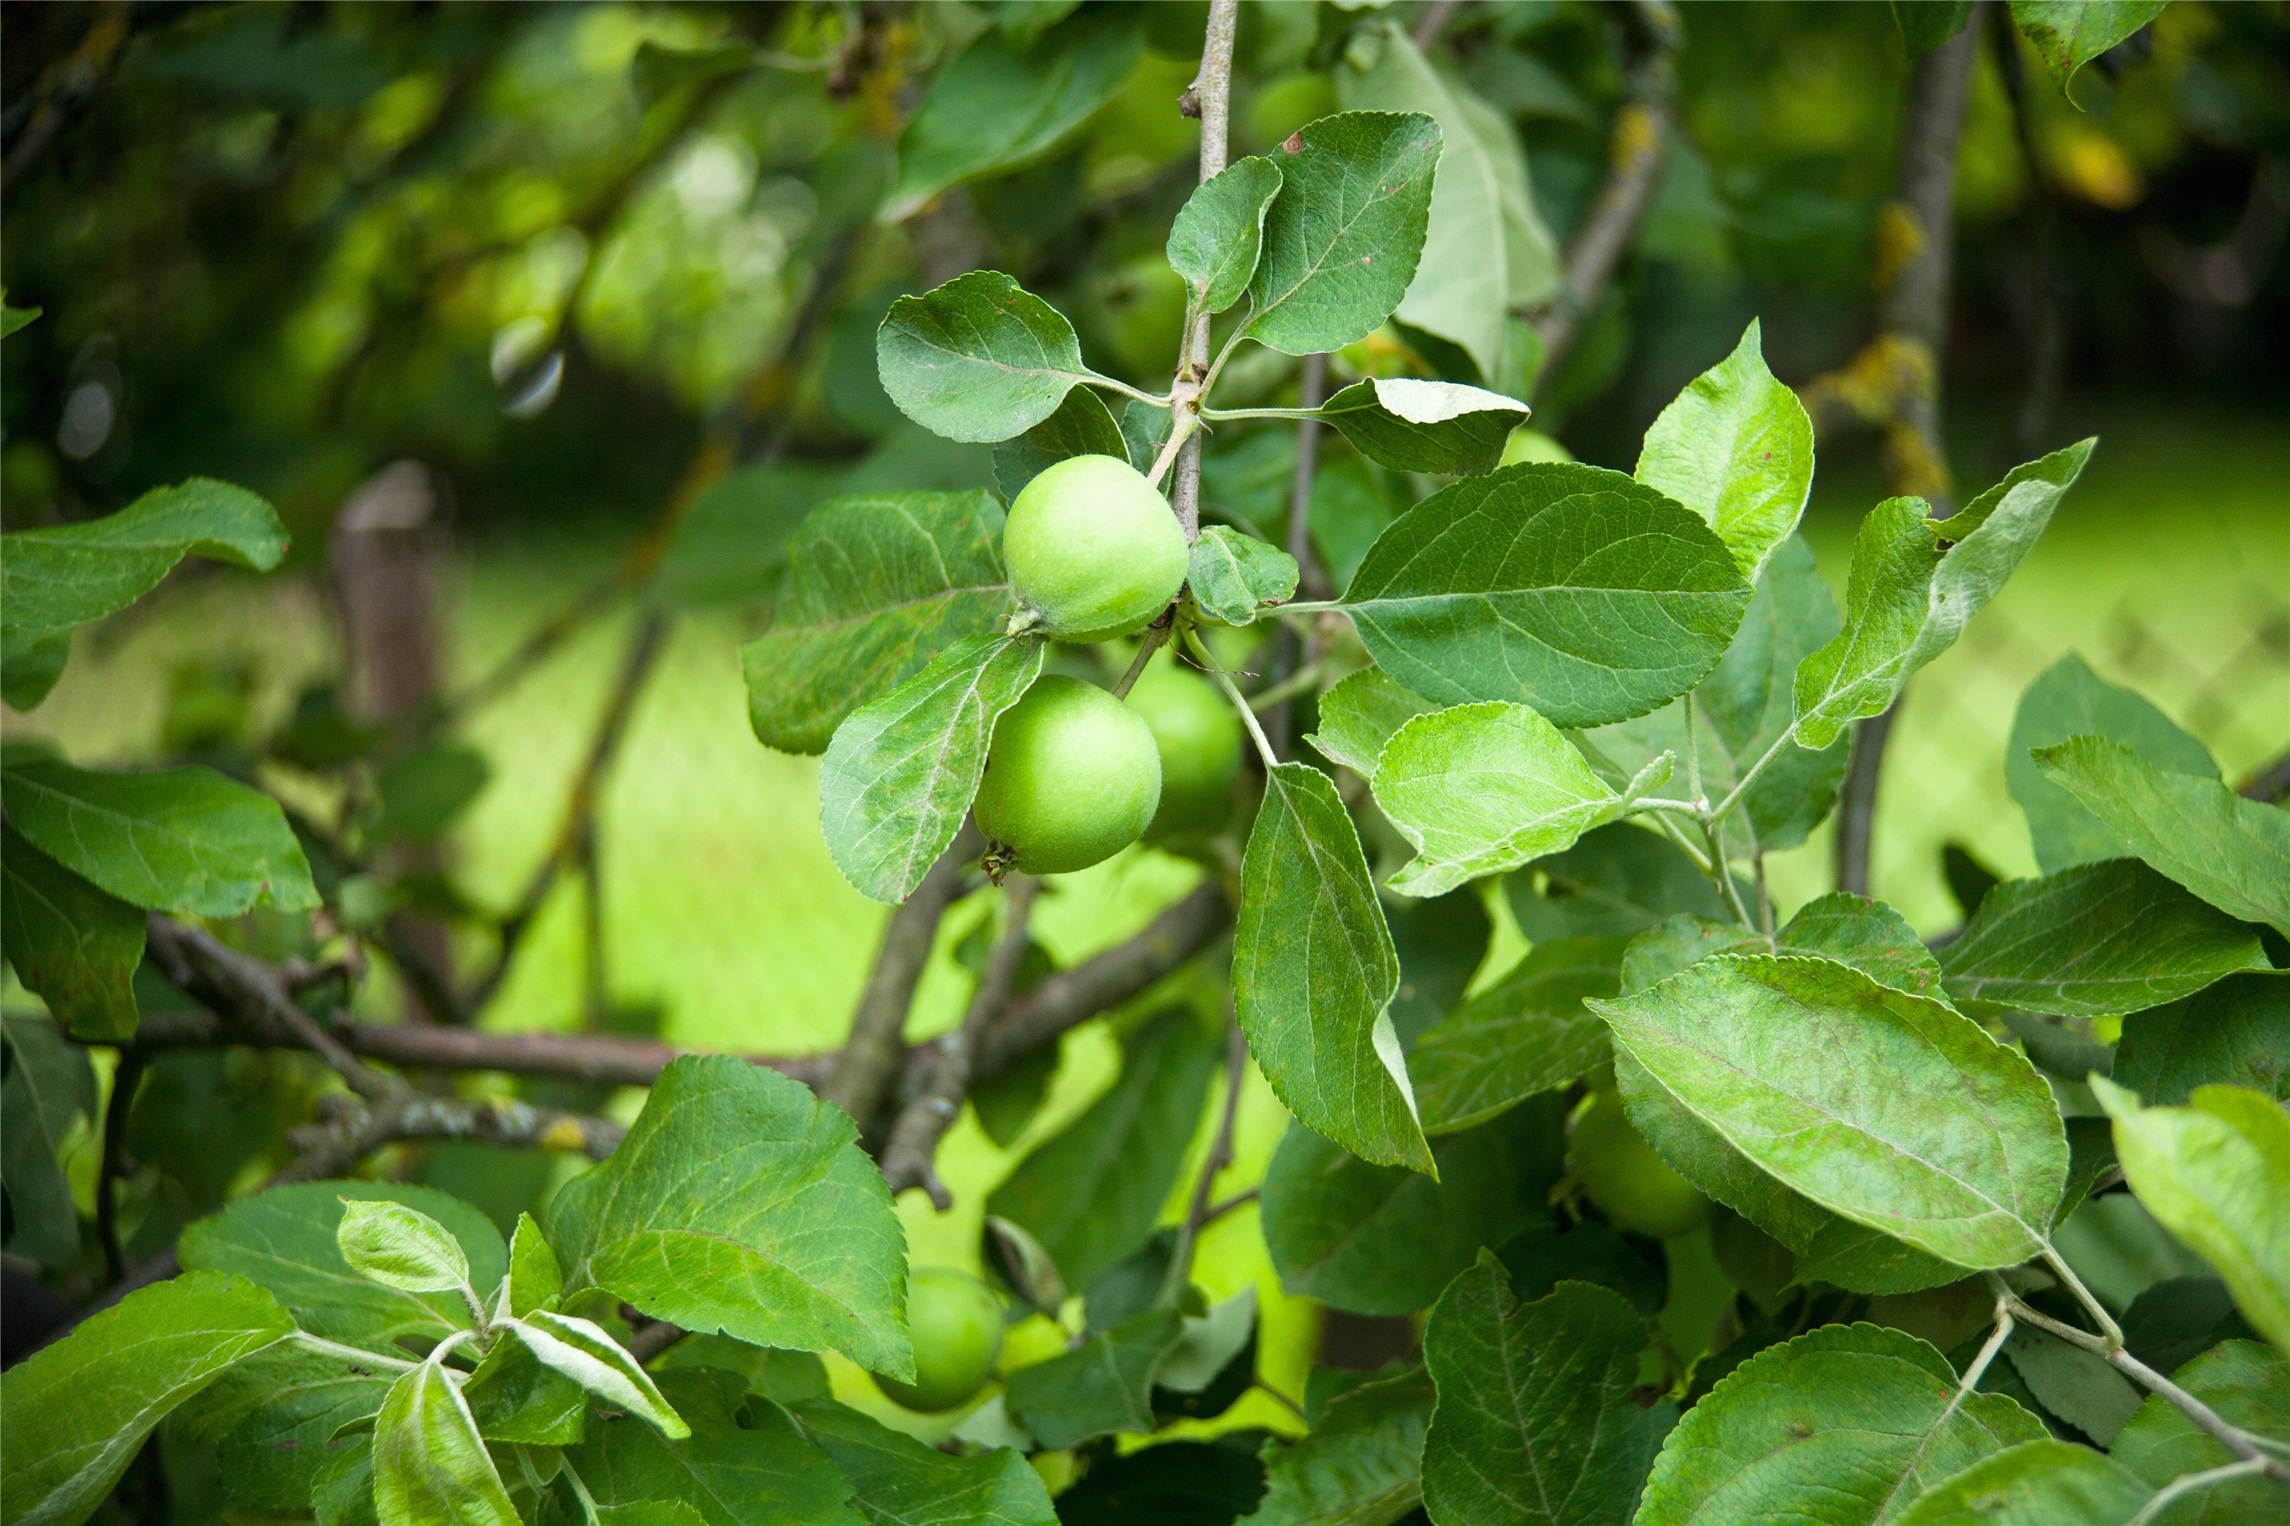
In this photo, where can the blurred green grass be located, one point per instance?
(2168, 568)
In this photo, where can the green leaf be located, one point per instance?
(187, 839)
(898, 777)
(1960, 1153)
(1907, 600)
(1569, 588)
(1082, 426)
(1359, 715)
(2216, 1173)
(2078, 1386)
(1343, 236)
(1868, 935)
(423, 793)
(1736, 447)
(1528, 1033)
(1534, 1420)
(1091, 1195)
(284, 1239)
(2037, 1483)
(1486, 253)
(1233, 574)
(14, 318)
(1382, 1240)
(1848, 1423)
(1479, 789)
(741, 1203)
(1219, 232)
(1442, 943)
(746, 1460)
(517, 1399)
(274, 1417)
(876, 587)
(30, 663)
(1100, 1387)
(2069, 700)
(400, 1247)
(48, 1085)
(75, 1413)
(979, 358)
(2234, 853)
(2097, 940)
(1360, 1466)
(1745, 705)
(64, 576)
(2236, 1033)
(1677, 942)
(72, 945)
(1424, 426)
(730, 548)
(534, 1277)
(1314, 970)
(1618, 880)
(582, 1352)
(2071, 33)
(1926, 24)
(2245, 1384)
(901, 1482)
(430, 1465)
(997, 107)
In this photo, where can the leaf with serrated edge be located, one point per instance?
(1569, 588)
(2070, 700)
(899, 775)
(583, 1352)
(2096, 940)
(2037, 1483)
(49, 1087)
(1359, 715)
(901, 1482)
(187, 839)
(741, 1203)
(1219, 232)
(1848, 1423)
(1424, 426)
(1479, 789)
(75, 1413)
(876, 587)
(1890, 1109)
(400, 1247)
(1907, 600)
(2067, 34)
(69, 574)
(1868, 935)
(534, 1276)
(2216, 1173)
(1736, 447)
(1314, 972)
(2236, 1033)
(430, 1465)
(1528, 1033)
(1233, 575)
(2244, 1383)
(979, 358)
(1360, 1466)
(2234, 853)
(1343, 235)
(1082, 426)
(71, 944)
(1101, 1387)
(745, 1461)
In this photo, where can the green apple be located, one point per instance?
(1093, 550)
(1630, 1183)
(1072, 778)
(1526, 443)
(1199, 739)
(1141, 315)
(956, 1322)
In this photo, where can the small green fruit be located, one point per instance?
(1093, 550)
(956, 1322)
(1527, 443)
(1199, 740)
(1072, 778)
(1140, 307)
(1630, 1183)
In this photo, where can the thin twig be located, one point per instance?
(230, 983)
(870, 1059)
(113, 1164)
(1155, 634)
(2188, 1483)
(908, 1158)
(1219, 1157)
(350, 1131)
(1209, 99)
(1231, 1204)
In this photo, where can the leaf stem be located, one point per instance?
(1221, 415)
(2187, 1483)
(1181, 428)
(1670, 830)
(1138, 393)
(1239, 700)
(1313, 607)
(1220, 1156)
(1693, 754)
(1288, 688)
(353, 1354)
(1155, 635)
(1987, 1356)
(1714, 831)
(2091, 1305)
(1719, 811)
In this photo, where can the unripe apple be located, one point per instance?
(1140, 310)
(1199, 739)
(1072, 778)
(1630, 1183)
(1093, 550)
(956, 1322)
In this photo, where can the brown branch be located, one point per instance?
(864, 1068)
(234, 984)
(1220, 1154)
(1209, 99)
(114, 1164)
(1634, 168)
(348, 1131)
(907, 1160)
(2271, 783)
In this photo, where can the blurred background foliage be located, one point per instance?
(611, 274)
